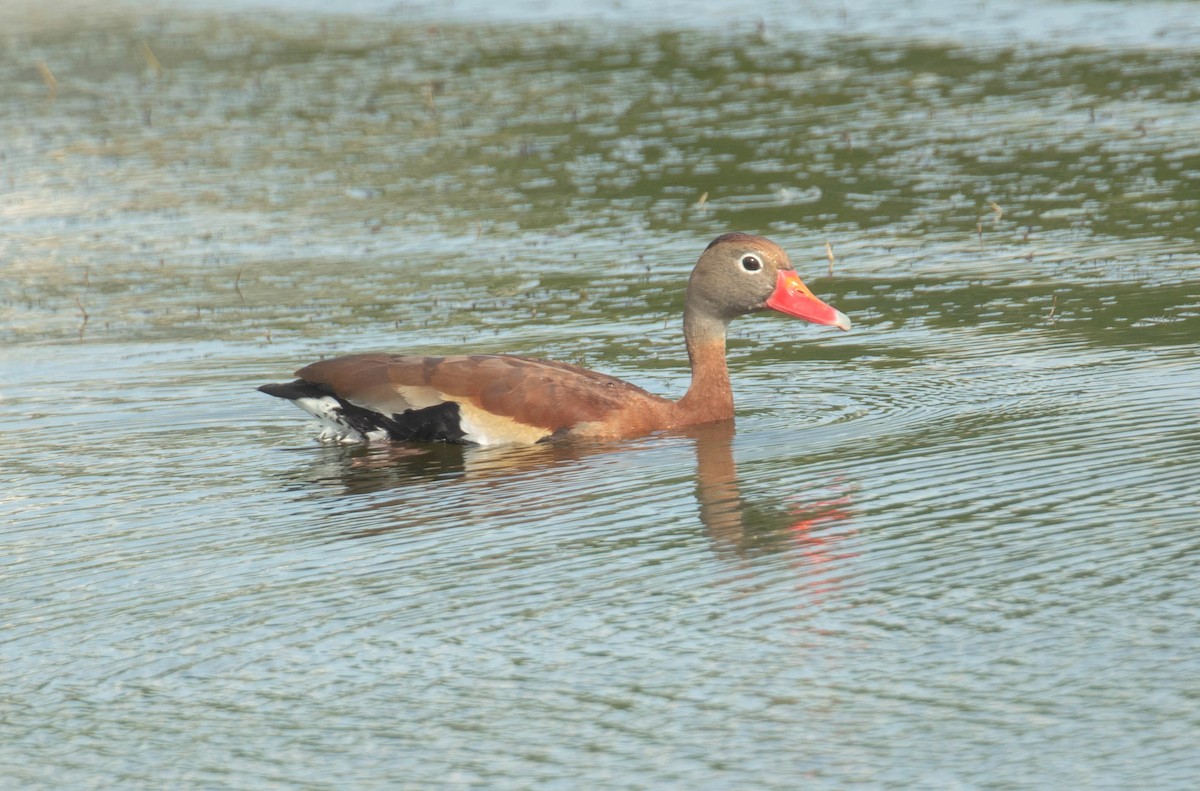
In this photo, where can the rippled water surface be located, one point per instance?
(954, 548)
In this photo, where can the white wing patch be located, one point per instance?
(484, 428)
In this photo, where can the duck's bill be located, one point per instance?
(793, 298)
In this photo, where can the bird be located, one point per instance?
(502, 399)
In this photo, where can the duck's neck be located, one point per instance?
(710, 396)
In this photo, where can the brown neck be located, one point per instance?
(710, 396)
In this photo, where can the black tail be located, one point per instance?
(293, 390)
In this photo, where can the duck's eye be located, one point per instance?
(751, 263)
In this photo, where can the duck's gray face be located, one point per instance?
(741, 273)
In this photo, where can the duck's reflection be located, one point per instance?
(812, 530)
(750, 527)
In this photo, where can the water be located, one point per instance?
(955, 548)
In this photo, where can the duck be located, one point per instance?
(503, 399)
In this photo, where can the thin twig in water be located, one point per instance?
(703, 200)
(829, 255)
(237, 285)
(151, 59)
(82, 310)
(48, 78)
(997, 210)
(1053, 306)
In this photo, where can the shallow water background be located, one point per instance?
(954, 548)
